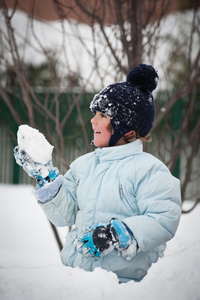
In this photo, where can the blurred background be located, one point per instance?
(56, 54)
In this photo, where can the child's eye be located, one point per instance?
(103, 115)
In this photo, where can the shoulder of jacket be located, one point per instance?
(151, 163)
(142, 164)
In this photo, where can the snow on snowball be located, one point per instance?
(34, 143)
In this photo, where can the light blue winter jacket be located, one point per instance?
(125, 183)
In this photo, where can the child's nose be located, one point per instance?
(93, 120)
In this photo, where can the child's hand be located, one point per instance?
(99, 240)
(42, 173)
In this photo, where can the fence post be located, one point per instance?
(16, 167)
(176, 119)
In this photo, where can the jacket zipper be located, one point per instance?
(77, 186)
(121, 191)
(124, 200)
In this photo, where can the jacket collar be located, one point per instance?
(119, 152)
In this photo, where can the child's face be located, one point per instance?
(101, 134)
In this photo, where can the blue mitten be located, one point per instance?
(99, 240)
(42, 173)
(48, 179)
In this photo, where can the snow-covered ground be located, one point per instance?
(30, 266)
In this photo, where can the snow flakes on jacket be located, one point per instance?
(125, 183)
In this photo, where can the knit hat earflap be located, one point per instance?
(129, 104)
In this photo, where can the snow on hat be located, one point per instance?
(129, 104)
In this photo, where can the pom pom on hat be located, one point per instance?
(144, 76)
(129, 104)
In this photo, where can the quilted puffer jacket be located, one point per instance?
(120, 182)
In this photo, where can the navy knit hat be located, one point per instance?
(129, 104)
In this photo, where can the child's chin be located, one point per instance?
(99, 144)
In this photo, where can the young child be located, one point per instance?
(124, 203)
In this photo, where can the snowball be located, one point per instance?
(34, 144)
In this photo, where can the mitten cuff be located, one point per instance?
(49, 190)
(123, 233)
(131, 251)
(127, 242)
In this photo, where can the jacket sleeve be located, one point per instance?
(62, 209)
(159, 203)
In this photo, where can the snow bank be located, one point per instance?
(31, 268)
